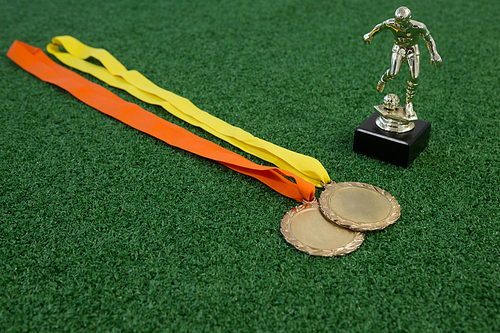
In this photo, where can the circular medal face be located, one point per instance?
(307, 229)
(359, 206)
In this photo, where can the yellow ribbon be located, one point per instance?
(116, 75)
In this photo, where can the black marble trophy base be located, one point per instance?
(399, 149)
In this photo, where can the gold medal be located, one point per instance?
(359, 206)
(309, 231)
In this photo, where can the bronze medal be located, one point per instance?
(307, 229)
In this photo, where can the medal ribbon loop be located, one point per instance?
(115, 74)
(34, 61)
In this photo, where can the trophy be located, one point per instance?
(394, 133)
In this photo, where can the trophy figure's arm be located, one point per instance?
(378, 28)
(431, 45)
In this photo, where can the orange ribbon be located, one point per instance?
(34, 61)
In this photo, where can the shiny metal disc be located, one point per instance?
(307, 229)
(359, 206)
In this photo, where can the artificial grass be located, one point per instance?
(103, 228)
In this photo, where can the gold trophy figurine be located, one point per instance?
(406, 32)
(394, 133)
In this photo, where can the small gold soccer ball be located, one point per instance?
(391, 101)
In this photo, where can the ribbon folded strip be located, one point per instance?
(115, 74)
(36, 62)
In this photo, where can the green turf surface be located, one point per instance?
(103, 228)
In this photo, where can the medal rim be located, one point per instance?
(285, 231)
(394, 215)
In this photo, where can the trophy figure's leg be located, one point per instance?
(411, 115)
(414, 66)
(392, 72)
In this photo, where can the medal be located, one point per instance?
(331, 227)
(309, 231)
(359, 206)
